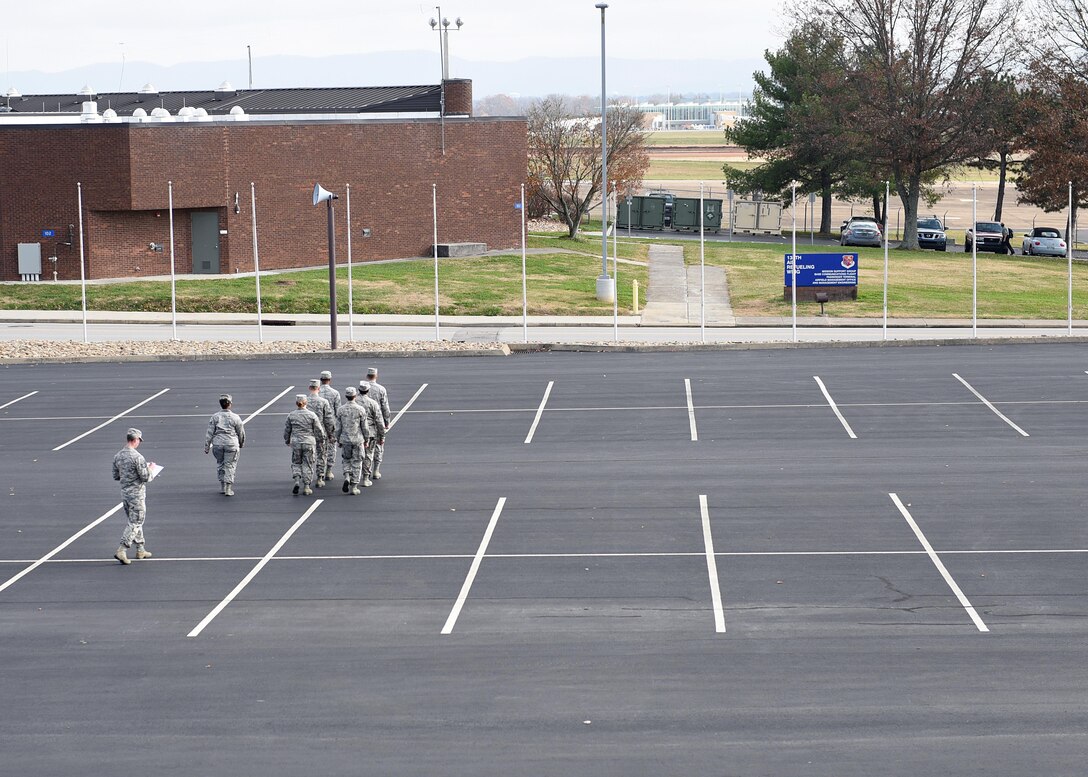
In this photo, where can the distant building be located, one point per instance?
(389, 143)
(691, 115)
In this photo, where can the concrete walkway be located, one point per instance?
(674, 296)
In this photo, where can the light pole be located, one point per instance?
(321, 195)
(606, 286)
(441, 25)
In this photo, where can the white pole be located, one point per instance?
(434, 203)
(256, 261)
(887, 196)
(173, 284)
(615, 265)
(82, 272)
(524, 280)
(793, 260)
(702, 267)
(974, 260)
(1069, 255)
(351, 302)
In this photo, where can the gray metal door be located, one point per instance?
(205, 241)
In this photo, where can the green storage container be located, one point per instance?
(712, 215)
(629, 216)
(653, 213)
(685, 214)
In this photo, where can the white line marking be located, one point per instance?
(712, 568)
(265, 406)
(107, 423)
(20, 399)
(989, 404)
(475, 566)
(835, 407)
(539, 412)
(404, 409)
(691, 411)
(61, 547)
(940, 565)
(253, 572)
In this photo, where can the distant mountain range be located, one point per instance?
(536, 76)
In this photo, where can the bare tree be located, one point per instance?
(921, 73)
(1065, 42)
(565, 156)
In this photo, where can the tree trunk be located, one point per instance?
(825, 204)
(909, 195)
(574, 220)
(878, 212)
(1002, 170)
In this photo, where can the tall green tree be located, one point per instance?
(797, 110)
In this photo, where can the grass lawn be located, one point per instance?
(691, 169)
(561, 283)
(686, 138)
(920, 283)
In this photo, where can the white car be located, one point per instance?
(1043, 241)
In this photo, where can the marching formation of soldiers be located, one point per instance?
(322, 421)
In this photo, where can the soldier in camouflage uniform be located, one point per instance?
(333, 397)
(381, 396)
(226, 436)
(302, 431)
(352, 434)
(321, 407)
(374, 426)
(130, 468)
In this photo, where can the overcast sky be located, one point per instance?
(64, 34)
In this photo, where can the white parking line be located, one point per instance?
(407, 405)
(712, 568)
(20, 399)
(107, 423)
(691, 411)
(473, 568)
(988, 404)
(62, 546)
(835, 407)
(253, 572)
(265, 406)
(539, 412)
(940, 565)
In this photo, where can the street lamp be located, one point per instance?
(606, 286)
(322, 195)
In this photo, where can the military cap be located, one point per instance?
(364, 387)
(226, 398)
(315, 383)
(134, 434)
(372, 371)
(326, 375)
(300, 398)
(349, 391)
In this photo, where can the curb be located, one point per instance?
(703, 347)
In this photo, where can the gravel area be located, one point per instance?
(61, 350)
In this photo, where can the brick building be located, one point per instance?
(390, 144)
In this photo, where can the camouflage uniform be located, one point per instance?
(376, 430)
(333, 397)
(381, 396)
(322, 408)
(302, 432)
(353, 434)
(130, 468)
(226, 436)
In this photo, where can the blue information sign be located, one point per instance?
(49, 233)
(823, 269)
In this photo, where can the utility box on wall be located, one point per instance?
(30, 261)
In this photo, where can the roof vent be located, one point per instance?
(160, 113)
(238, 113)
(109, 114)
(86, 91)
(12, 92)
(224, 87)
(139, 113)
(148, 88)
(201, 113)
(186, 113)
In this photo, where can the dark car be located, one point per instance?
(931, 234)
(986, 236)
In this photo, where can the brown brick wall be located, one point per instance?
(458, 93)
(390, 166)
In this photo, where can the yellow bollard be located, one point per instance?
(634, 293)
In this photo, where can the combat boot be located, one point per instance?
(121, 556)
(295, 489)
(347, 486)
(355, 490)
(368, 483)
(142, 553)
(307, 491)
(377, 475)
(329, 474)
(321, 483)
(228, 489)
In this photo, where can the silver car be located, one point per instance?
(1044, 241)
(861, 233)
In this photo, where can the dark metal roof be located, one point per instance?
(357, 99)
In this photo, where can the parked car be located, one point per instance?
(985, 236)
(861, 233)
(1044, 241)
(931, 234)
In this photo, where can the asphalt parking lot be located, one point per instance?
(767, 562)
